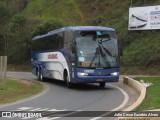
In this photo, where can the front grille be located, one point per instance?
(99, 74)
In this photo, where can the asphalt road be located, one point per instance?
(57, 97)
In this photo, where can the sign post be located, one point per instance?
(3, 66)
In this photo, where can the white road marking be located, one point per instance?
(95, 118)
(47, 118)
(35, 109)
(57, 110)
(126, 98)
(24, 108)
(45, 109)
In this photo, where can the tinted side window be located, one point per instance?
(61, 40)
(48, 43)
(51, 42)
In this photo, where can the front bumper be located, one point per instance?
(96, 79)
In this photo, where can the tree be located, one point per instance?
(47, 26)
(4, 13)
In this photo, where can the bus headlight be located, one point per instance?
(115, 73)
(82, 74)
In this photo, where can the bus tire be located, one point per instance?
(40, 77)
(66, 78)
(102, 85)
(37, 73)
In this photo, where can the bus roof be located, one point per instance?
(75, 28)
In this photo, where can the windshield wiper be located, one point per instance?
(96, 53)
(99, 51)
(106, 50)
(101, 41)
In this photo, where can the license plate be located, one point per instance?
(99, 80)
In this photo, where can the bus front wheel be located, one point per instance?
(102, 85)
(69, 85)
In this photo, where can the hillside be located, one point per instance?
(22, 19)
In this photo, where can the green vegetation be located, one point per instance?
(152, 99)
(20, 20)
(13, 90)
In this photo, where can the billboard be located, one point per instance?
(144, 18)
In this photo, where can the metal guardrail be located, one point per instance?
(3, 66)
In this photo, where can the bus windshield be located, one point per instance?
(96, 49)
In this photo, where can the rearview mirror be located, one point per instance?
(103, 35)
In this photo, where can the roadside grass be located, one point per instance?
(152, 100)
(13, 90)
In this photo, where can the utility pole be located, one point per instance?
(3, 59)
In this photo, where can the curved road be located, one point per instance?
(82, 98)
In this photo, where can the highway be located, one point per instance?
(57, 97)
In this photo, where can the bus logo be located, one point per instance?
(89, 71)
(52, 56)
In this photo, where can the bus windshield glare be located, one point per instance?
(96, 49)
